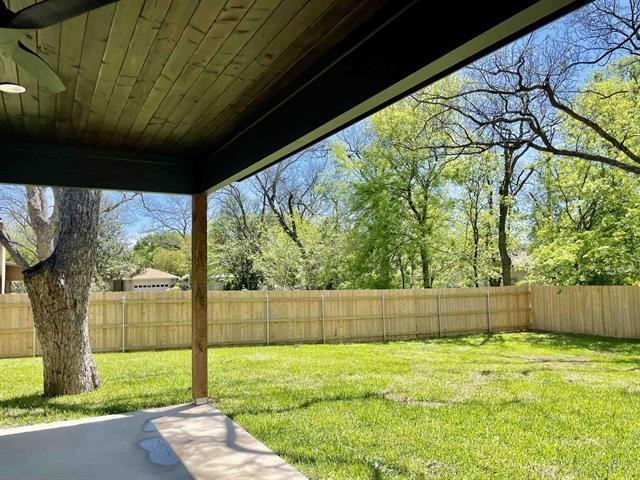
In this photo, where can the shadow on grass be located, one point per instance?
(302, 405)
(587, 342)
(548, 340)
(376, 467)
(364, 396)
(469, 340)
(34, 404)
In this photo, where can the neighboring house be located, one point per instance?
(9, 272)
(149, 280)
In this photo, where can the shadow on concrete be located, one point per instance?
(24, 405)
(182, 442)
(95, 448)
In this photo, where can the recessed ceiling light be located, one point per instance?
(12, 88)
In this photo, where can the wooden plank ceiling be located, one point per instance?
(168, 76)
(186, 96)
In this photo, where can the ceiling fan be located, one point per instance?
(14, 25)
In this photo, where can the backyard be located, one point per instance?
(520, 405)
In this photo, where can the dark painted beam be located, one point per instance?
(405, 46)
(64, 166)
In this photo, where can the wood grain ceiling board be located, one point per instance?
(146, 74)
(273, 72)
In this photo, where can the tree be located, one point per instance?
(114, 258)
(167, 251)
(27, 211)
(506, 141)
(59, 284)
(530, 96)
(176, 262)
(475, 224)
(289, 190)
(167, 213)
(280, 228)
(535, 87)
(586, 213)
(399, 200)
(282, 265)
(235, 237)
(147, 246)
(586, 225)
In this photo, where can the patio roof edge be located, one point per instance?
(67, 166)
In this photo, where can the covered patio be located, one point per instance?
(185, 97)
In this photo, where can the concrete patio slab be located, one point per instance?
(182, 442)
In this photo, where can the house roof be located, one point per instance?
(186, 96)
(153, 274)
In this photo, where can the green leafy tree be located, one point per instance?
(283, 265)
(176, 262)
(234, 239)
(167, 251)
(475, 258)
(586, 220)
(400, 204)
(114, 257)
(147, 246)
(586, 225)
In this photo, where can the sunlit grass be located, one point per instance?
(507, 406)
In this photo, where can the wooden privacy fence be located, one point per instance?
(149, 320)
(607, 311)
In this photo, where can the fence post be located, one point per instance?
(123, 301)
(33, 340)
(324, 339)
(488, 313)
(384, 322)
(267, 316)
(529, 320)
(439, 316)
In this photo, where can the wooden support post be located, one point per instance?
(199, 343)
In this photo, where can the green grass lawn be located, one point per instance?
(507, 406)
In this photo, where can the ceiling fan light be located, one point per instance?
(12, 88)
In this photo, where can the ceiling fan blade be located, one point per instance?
(37, 67)
(49, 12)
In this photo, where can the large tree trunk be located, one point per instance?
(60, 316)
(493, 281)
(503, 214)
(476, 254)
(426, 270)
(505, 259)
(58, 288)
